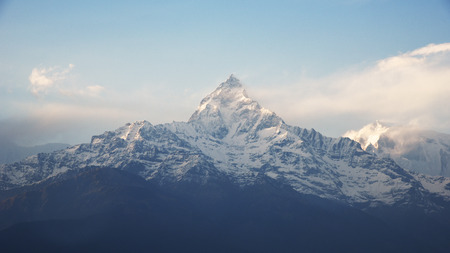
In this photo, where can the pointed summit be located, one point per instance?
(229, 107)
(231, 82)
(228, 97)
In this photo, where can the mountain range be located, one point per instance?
(12, 152)
(234, 177)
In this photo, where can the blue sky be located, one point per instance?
(69, 70)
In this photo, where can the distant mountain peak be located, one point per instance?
(229, 107)
(410, 146)
(368, 135)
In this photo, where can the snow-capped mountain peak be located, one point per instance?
(229, 95)
(230, 137)
(412, 148)
(229, 110)
(368, 135)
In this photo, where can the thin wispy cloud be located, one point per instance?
(88, 91)
(75, 114)
(431, 49)
(55, 80)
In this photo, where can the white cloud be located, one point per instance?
(38, 77)
(55, 80)
(410, 88)
(42, 79)
(431, 49)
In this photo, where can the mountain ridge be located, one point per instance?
(234, 178)
(12, 152)
(111, 210)
(230, 136)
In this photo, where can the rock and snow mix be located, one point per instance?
(412, 148)
(231, 136)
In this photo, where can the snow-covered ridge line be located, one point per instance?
(231, 137)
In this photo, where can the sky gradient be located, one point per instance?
(69, 70)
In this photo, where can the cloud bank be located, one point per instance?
(73, 112)
(410, 88)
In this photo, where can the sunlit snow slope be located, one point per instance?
(231, 137)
